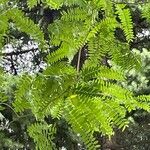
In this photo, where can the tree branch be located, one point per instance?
(18, 52)
(79, 58)
(135, 2)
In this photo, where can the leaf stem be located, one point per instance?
(10, 108)
(78, 63)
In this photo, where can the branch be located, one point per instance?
(18, 52)
(13, 66)
(130, 3)
(5, 104)
(79, 58)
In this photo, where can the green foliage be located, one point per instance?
(55, 4)
(32, 3)
(145, 11)
(4, 1)
(22, 23)
(22, 96)
(9, 143)
(90, 99)
(138, 82)
(43, 135)
(88, 106)
(126, 21)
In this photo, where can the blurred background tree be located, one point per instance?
(137, 136)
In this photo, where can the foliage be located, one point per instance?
(45, 135)
(87, 98)
(138, 82)
(124, 16)
(145, 11)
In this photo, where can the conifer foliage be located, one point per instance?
(90, 97)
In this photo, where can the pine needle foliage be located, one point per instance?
(90, 99)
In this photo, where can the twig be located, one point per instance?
(19, 117)
(10, 108)
(78, 63)
(130, 3)
(18, 52)
(13, 66)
